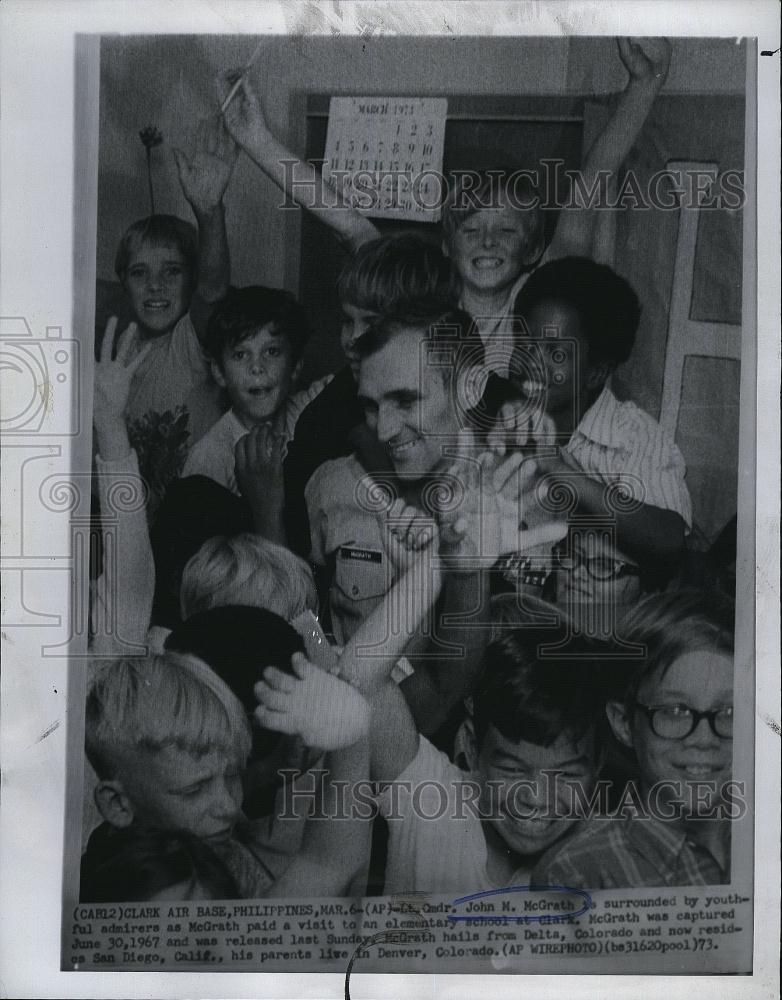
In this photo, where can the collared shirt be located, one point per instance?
(213, 455)
(620, 443)
(630, 852)
(348, 536)
(496, 331)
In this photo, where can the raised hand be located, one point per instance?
(244, 117)
(258, 457)
(517, 426)
(326, 712)
(489, 520)
(204, 176)
(646, 59)
(409, 533)
(113, 378)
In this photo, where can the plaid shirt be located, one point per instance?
(630, 852)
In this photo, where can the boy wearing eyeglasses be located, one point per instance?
(674, 711)
(595, 583)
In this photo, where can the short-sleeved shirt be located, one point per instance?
(213, 455)
(446, 854)
(347, 533)
(615, 443)
(620, 443)
(630, 852)
(173, 402)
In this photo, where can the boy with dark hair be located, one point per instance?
(579, 323)
(254, 342)
(537, 758)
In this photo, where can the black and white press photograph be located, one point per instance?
(415, 501)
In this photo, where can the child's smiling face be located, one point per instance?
(701, 680)
(257, 373)
(160, 286)
(491, 248)
(535, 810)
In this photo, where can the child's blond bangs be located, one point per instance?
(159, 701)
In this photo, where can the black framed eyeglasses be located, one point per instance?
(676, 722)
(598, 567)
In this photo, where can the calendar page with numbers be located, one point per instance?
(385, 154)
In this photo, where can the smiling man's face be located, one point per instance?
(408, 407)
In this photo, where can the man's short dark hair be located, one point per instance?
(452, 329)
(243, 311)
(607, 307)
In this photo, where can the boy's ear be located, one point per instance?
(113, 803)
(619, 722)
(471, 386)
(217, 373)
(297, 369)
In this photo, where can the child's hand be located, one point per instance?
(410, 533)
(112, 388)
(487, 523)
(517, 427)
(258, 457)
(646, 59)
(114, 376)
(244, 117)
(204, 177)
(326, 712)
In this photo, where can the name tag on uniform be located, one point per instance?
(361, 555)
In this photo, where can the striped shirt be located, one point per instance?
(630, 852)
(620, 443)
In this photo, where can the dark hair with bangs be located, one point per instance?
(156, 231)
(607, 307)
(244, 311)
(526, 695)
(396, 274)
(670, 625)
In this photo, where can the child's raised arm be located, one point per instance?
(126, 583)
(204, 178)
(328, 714)
(647, 61)
(299, 180)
